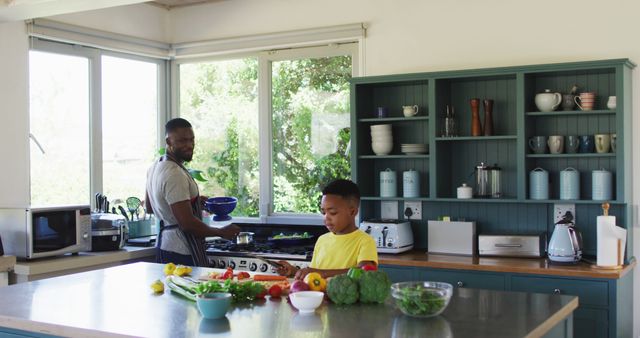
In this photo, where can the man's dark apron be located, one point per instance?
(195, 244)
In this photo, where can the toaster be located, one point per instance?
(108, 232)
(506, 245)
(391, 236)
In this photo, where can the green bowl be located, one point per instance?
(213, 305)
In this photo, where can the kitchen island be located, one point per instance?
(118, 301)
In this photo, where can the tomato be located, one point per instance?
(369, 267)
(243, 275)
(228, 274)
(275, 290)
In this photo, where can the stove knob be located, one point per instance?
(232, 264)
(263, 267)
(222, 264)
(253, 267)
(212, 263)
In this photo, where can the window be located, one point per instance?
(220, 99)
(304, 139)
(59, 125)
(94, 118)
(129, 124)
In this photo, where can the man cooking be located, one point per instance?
(173, 196)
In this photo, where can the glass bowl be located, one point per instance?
(422, 299)
(221, 207)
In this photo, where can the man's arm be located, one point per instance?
(189, 223)
(147, 203)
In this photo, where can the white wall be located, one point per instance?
(403, 36)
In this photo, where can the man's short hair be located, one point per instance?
(344, 188)
(176, 123)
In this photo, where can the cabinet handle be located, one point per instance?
(460, 284)
(556, 291)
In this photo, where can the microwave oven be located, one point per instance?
(49, 231)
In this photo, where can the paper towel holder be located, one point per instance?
(619, 249)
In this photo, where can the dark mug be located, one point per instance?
(587, 144)
(381, 112)
(572, 144)
(538, 144)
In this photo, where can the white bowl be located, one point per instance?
(378, 127)
(382, 134)
(306, 301)
(382, 139)
(381, 148)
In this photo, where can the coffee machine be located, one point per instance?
(565, 245)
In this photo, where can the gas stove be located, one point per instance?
(223, 253)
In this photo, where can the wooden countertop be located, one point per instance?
(117, 302)
(536, 266)
(7, 263)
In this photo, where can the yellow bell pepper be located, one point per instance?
(315, 281)
(157, 286)
(182, 270)
(169, 268)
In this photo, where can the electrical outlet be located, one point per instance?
(416, 209)
(389, 210)
(560, 210)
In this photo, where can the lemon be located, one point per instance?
(157, 286)
(169, 268)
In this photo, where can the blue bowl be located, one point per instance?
(221, 207)
(213, 305)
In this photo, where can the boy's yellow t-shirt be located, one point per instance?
(343, 251)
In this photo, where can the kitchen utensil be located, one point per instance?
(556, 144)
(411, 184)
(464, 192)
(291, 240)
(123, 212)
(306, 301)
(601, 185)
(507, 245)
(539, 184)
(538, 144)
(98, 201)
(611, 242)
(568, 102)
(449, 237)
(449, 125)
(614, 141)
(587, 100)
(603, 143)
(388, 183)
(587, 144)
(495, 181)
(221, 207)
(565, 245)
(476, 126)
(433, 297)
(569, 184)
(391, 236)
(213, 305)
(409, 111)
(572, 144)
(488, 117)
(612, 102)
(133, 203)
(244, 238)
(482, 180)
(547, 101)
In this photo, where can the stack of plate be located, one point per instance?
(414, 148)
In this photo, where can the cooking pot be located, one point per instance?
(244, 237)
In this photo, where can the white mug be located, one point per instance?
(409, 111)
(603, 142)
(611, 102)
(556, 144)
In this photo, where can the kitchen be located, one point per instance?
(398, 41)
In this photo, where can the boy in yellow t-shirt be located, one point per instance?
(344, 246)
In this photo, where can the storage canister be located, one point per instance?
(387, 183)
(539, 184)
(569, 184)
(495, 174)
(411, 184)
(601, 185)
(465, 191)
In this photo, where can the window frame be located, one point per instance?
(265, 121)
(94, 57)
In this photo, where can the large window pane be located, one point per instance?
(220, 99)
(129, 125)
(310, 99)
(59, 120)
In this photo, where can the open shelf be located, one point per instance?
(394, 119)
(477, 138)
(572, 112)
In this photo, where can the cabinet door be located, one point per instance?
(476, 280)
(399, 274)
(588, 322)
(590, 292)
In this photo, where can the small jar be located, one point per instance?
(465, 192)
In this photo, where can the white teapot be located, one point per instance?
(548, 101)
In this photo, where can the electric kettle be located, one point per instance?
(565, 245)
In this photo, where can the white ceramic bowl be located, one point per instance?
(381, 148)
(381, 135)
(382, 139)
(306, 301)
(379, 127)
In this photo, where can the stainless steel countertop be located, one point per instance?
(118, 301)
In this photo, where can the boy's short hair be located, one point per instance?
(344, 188)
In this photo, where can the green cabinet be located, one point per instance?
(450, 161)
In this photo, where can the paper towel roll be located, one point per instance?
(608, 234)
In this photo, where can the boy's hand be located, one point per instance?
(302, 273)
(286, 269)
